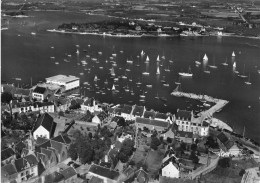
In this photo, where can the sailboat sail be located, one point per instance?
(205, 57)
(147, 59)
(158, 70)
(158, 58)
(112, 72)
(233, 54)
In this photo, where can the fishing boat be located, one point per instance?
(186, 74)
(33, 33)
(248, 82)
(142, 53)
(100, 53)
(225, 63)
(233, 54)
(205, 57)
(95, 78)
(52, 57)
(243, 75)
(146, 73)
(158, 70)
(149, 86)
(112, 72)
(158, 58)
(166, 84)
(167, 69)
(77, 51)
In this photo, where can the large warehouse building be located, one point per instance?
(69, 82)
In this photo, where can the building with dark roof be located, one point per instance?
(227, 146)
(149, 114)
(7, 155)
(151, 124)
(139, 176)
(170, 168)
(69, 174)
(106, 174)
(126, 112)
(8, 173)
(39, 93)
(186, 137)
(138, 111)
(43, 127)
(62, 139)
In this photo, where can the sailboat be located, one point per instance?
(178, 82)
(147, 59)
(243, 75)
(225, 63)
(189, 74)
(158, 58)
(142, 53)
(142, 96)
(248, 82)
(157, 96)
(235, 67)
(205, 57)
(113, 88)
(213, 66)
(112, 72)
(129, 61)
(77, 51)
(158, 70)
(95, 78)
(233, 54)
(207, 71)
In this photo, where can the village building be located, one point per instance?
(39, 93)
(7, 155)
(186, 137)
(138, 111)
(151, 124)
(106, 174)
(8, 173)
(170, 168)
(68, 82)
(139, 176)
(126, 112)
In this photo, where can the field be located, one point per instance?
(231, 174)
(154, 160)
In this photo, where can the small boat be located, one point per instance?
(186, 74)
(52, 47)
(214, 65)
(87, 56)
(248, 82)
(89, 45)
(52, 57)
(142, 53)
(69, 55)
(158, 58)
(106, 82)
(112, 72)
(114, 64)
(17, 79)
(100, 53)
(146, 73)
(111, 58)
(129, 61)
(113, 88)
(149, 86)
(127, 89)
(158, 70)
(33, 33)
(197, 63)
(205, 57)
(130, 79)
(121, 51)
(124, 77)
(57, 63)
(142, 96)
(101, 67)
(243, 75)
(81, 73)
(157, 96)
(225, 63)
(95, 78)
(65, 60)
(207, 71)
(94, 59)
(171, 61)
(167, 69)
(233, 54)
(77, 51)
(166, 84)
(114, 54)
(178, 82)
(77, 45)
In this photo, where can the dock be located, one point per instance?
(219, 104)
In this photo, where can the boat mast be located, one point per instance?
(31, 81)
(244, 132)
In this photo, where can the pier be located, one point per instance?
(219, 104)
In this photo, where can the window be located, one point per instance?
(21, 174)
(27, 172)
(32, 170)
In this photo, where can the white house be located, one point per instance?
(39, 93)
(170, 168)
(43, 127)
(96, 120)
(126, 112)
(69, 82)
(163, 117)
(32, 106)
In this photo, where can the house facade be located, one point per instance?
(151, 124)
(32, 106)
(170, 170)
(43, 126)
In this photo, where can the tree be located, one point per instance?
(155, 142)
(90, 135)
(7, 97)
(224, 162)
(72, 151)
(211, 142)
(123, 157)
(193, 147)
(194, 157)
(242, 172)
(127, 147)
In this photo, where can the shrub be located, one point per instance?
(242, 172)
(224, 162)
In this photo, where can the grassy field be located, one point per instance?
(154, 160)
(229, 175)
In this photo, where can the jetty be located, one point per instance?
(219, 103)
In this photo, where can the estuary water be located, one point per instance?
(29, 51)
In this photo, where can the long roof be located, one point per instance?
(224, 140)
(104, 172)
(183, 114)
(62, 78)
(69, 172)
(7, 153)
(152, 122)
(45, 120)
(138, 110)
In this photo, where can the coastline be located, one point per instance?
(216, 123)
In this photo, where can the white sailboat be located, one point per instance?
(112, 72)
(213, 66)
(158, 70)
(233, 54)
(205, 57)
(95, 78)
(167, 69)
(158, 58)
(142, 53)
(77, 51)
(186, 74)
(147, 59)
(248, 82)
(225, 63)
(235, 67)
(113, 88)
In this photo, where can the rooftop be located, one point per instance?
(183, 114)
(62, 78)
(104, 172)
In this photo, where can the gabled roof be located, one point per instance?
(89, 102)
(225, 141)
(62, 139)
(22, 91)
(41, 140)
(8, 169)
(138, 111)
(104, 172)
(169, 134)
(69, 172)
(171, 159)
(20, 164)
(95, 179)
(31, 159)
(46, 152)
(159, 123)
(127, 109)
(25, 152)
(7, 153)
(142, 120)
(183, 114)
(161, 115)
(39, 89)
(140, 175)
(45, 145)
(149, 114)
(113, 156)
(45, 120)
(57, 146)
